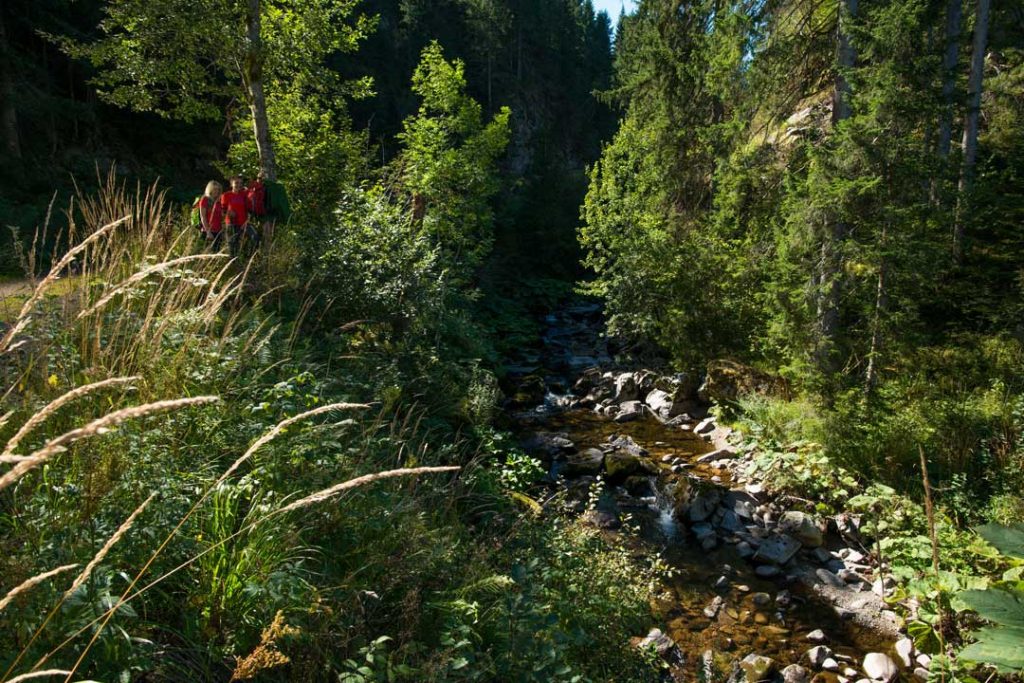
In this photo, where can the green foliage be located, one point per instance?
(999, 645)
(448, 162)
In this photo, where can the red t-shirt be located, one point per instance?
(212, 212)
(236, 207)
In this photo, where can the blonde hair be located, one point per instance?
(211, 187)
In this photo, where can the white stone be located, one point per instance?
(905, 651)
(880, 667)
(830, 664)
(817, 655)
(817, 636)
(924, 660)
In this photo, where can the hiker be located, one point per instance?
(235, 204)
(268, 203)
(207, 215)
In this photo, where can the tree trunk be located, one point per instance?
(881, 307)
(954, 10)
(254, 88)
(971, 117)
(845, 58)
(8, 110)
(830, 284)
(949, 60)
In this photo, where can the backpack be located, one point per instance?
(258, 199)
(195, 217)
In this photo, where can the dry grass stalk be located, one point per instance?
(98, 426)
(266, 655)
(263, 440)
(280, 427)
(321, 496)
(142, 275)
(39, 674)
(83, 576)
(29, 584)
(52, 277)
(5, 418)
(56, 405)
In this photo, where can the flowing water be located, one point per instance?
(755, 615)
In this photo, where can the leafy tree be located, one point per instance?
(189, 60)
(447, 167)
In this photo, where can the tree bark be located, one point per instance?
(949, 60)
(254, 87)
(971, 118)
(8, 109)
(830, 282)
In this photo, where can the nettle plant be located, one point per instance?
(1002, 643)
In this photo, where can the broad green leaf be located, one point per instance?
(1008, 539)
(1000, 646)
(1002, 607)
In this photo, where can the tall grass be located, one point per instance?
(142, 310)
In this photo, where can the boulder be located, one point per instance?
(727, 380)
(794, 673)
(757, 667)
(802, 527)
(531, 390)
(548, 443)
(627, 444)
(703, 504)
(880, 667)
(657, 641)
(619, 466)
(663, 404)
(629, 411)
(589, 462)
(626, 388)
(827, 577)
(777, 549)
(639, 486)
(705, 426)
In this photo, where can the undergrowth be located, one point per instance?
(199, 483)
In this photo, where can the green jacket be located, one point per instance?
(277, 202)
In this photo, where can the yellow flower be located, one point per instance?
(52, 381)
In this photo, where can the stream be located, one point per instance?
(725, 601)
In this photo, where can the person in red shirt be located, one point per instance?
(235, 205)
(210, 214)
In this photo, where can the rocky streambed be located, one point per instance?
(761, 587)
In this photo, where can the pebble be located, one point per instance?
(817, 636)
(817, 656)
(830, 664)
(744, 549)
(721, 584)
(767, 571)
(924, 660)
(761, 599)
(711, 611)
(879, 667)
(743, 588)
(921, 674)
(783, 598)
(760, 618)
